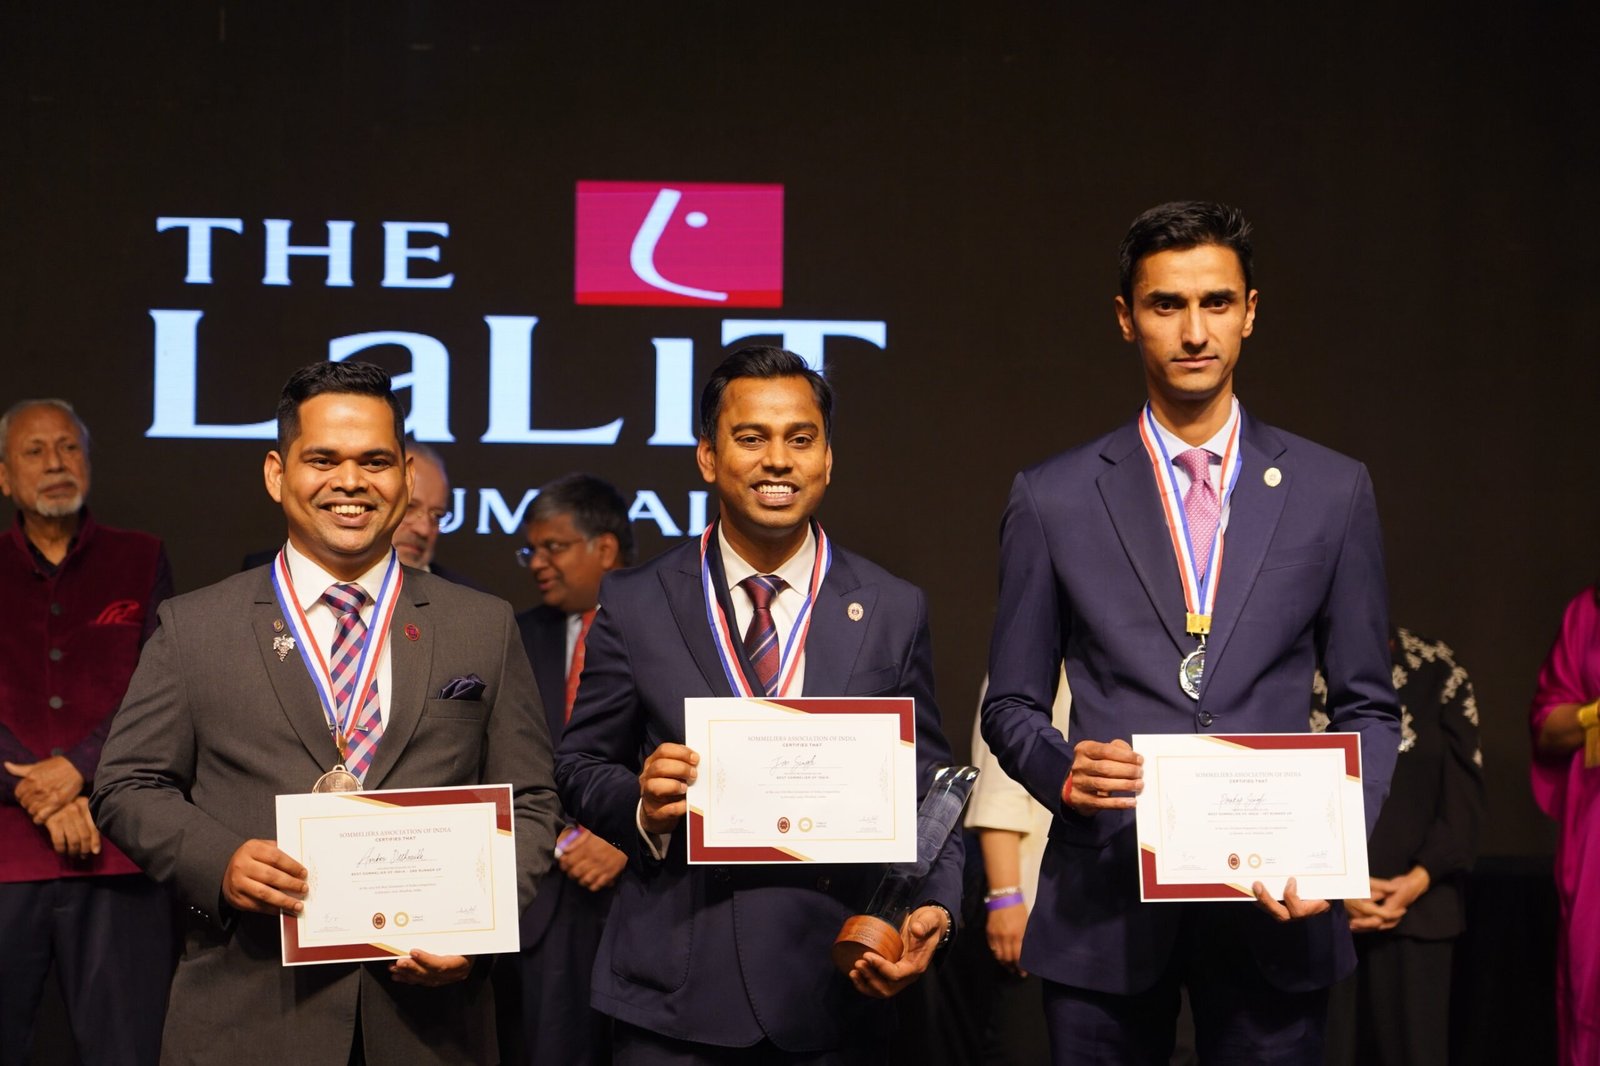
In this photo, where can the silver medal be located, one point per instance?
(1191, 670)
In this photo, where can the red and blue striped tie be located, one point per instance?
(349, 632)
(761, 638)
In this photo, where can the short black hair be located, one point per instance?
(1185, 224)
(761, 361)
(595, 505)
(358, 379)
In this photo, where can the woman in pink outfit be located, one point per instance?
(1569, 792)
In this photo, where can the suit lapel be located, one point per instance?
(687, 599)
(1129, 491)
(291, 681)
(410, 662)
(834, 640)
(1253, 515)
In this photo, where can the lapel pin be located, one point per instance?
(856, 612)
(277, 625)
(1273, 477)
(412, 632)
(283, 645)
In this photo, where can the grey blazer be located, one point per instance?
(215, 725)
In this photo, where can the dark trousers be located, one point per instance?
(1395, 1009)
(1238, 1016)
(556, 1023)
(111, 940)
(633, 1046)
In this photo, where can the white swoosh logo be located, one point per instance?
(642, 256)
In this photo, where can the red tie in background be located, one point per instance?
(575, 671)
(1200, 506)
(348, 633)
(761, 638)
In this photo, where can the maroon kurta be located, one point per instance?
(68, 644)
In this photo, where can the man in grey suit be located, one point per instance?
(222, 716)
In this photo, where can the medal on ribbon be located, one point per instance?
(341, 720)
(722, 630)
(1199, 586)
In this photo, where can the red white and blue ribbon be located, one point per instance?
(1199, 590)
(722, 630)
(341, 720)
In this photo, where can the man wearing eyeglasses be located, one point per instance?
(577, 532)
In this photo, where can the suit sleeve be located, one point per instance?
(1025, 657)
(517, 750)
(1352, 636)
(598, 761)
(146, 768)
(944, 881)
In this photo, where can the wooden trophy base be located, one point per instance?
(862, 933)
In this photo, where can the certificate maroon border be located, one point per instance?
(499, 795)
(905, 707)
(1151, 889)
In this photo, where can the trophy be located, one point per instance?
(878, 929)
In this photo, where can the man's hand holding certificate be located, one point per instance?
(423, 875)
(1219, 814)
(829, 779)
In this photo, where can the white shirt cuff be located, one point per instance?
(655, 842)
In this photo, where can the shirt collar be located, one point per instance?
(1218, 443)
(795, 571)
(311, 580)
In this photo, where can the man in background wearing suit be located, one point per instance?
(730, 964)
(1089, 578)
(222, 716)
(577, 532)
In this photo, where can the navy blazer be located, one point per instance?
(544, 638)
(1088, 578)
(727, 955)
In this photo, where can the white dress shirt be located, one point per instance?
(310, 582)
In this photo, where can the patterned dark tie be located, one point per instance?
(348, 633)
(761, 638)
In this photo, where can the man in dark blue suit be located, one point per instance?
(577, 532)
(1090, 578)
(702, 964)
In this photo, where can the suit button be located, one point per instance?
(1206, 719)
(824, 883)
(719, 875)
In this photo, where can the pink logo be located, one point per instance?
(686, 244)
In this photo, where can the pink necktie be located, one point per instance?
(347, 601)
(1200, 505)
(761, 638)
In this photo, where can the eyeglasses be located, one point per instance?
(548, 548)
(434, 515)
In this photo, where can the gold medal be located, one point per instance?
(337, 780)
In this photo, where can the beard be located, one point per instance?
(60, 508)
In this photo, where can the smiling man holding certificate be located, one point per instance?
(1112, 565)
(730, 961)
(334, 669)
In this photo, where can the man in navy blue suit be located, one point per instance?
(1102, 572)
(730, 964)
(577, 532)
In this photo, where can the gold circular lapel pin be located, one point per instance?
(1273, 477)
(856, 612)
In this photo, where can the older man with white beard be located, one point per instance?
(80, 600)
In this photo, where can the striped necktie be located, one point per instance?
(761, 638)
(348, 633)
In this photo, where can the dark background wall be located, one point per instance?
(1421, 189)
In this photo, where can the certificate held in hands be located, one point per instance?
(1220, 812)
(816, 779)
(429, 868)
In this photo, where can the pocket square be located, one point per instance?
(469, 687)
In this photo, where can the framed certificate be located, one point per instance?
(429, 868)
(817, 779)
(1220, 812)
